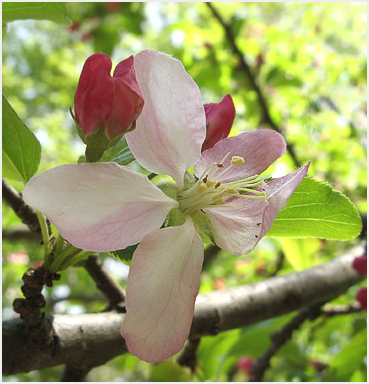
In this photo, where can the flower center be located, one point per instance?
(208, 191)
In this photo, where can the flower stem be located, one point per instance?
(45, 237)
(60, 258)
(75, 258)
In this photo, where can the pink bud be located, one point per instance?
(360, 264)
(219, 120)
(111, 104)
(244, 364)
(361, 297)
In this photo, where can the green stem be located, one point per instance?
(75, 258)
(59, 242)
(45, 237)
(59, 259)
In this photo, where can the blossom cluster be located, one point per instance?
(100, 206)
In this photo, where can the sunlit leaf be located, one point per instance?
(21, 150)
(345, 363)
(301, 253)
(35, 10)
(317, 210)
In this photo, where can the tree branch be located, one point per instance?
(90, 340)
(266, 117)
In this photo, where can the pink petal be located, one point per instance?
(278, 192)
(162, 286)
(237, 225)
(99, 206)
(259, 148)
(171, 127)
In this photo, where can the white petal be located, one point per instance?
(162, 286)
(237, 225)
(99, 206)
(171, 129)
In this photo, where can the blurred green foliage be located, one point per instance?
(309, 60)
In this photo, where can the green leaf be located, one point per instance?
(301, 253)
(169, 371)
(21, 149)
(345, 363)
(119, 153)
(56, 12)
(315, 209)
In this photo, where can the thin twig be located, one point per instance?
(20, 234)
(279, 338)
(74, 374)
(22, 210)
(266, 117)
(105, 283)
(188, 355)
(334, 310)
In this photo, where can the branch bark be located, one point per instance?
(90, 340)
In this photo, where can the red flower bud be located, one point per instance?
(219, 120)
(106, 104)
(244, 364)
(361, 297)
(360, 264)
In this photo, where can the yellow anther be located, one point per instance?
(232, 191)
(209, 183)
(220, 202)
(236, 160)
(202, 187)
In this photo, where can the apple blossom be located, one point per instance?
(219, 120)
(105, 206)
(106, 107)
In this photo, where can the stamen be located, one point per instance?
(208, 191)
(209, 183)
(220, 202)
(236, 160)
(201, 187)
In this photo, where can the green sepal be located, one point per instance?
(175, 218)
(126, 253)
(120, 153)
(169, 189)
(203, 226)
(97, 142)
(189, 180)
